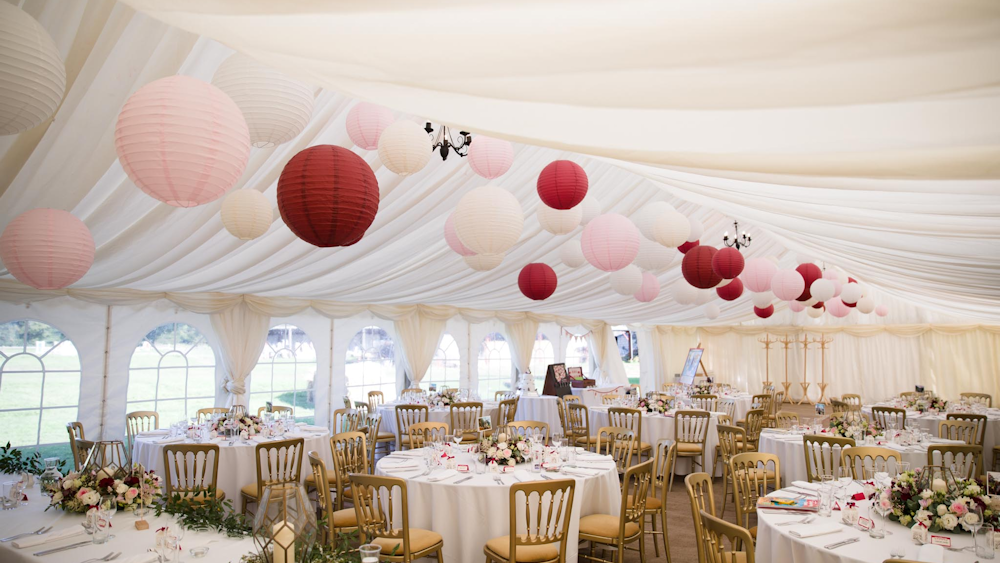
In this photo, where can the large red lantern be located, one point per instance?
(697, 267)
(765, 312)
(562, 184)
(731, 291)
(810, 273)
(687, 246)
(328, 196)
(537, 281)
(727, 263)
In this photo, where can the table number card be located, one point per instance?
(941, 540)
(865, 523)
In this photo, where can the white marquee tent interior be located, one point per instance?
(865, 141)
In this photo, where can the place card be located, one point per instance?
(462, 468)
(865, 523)
(943, 541)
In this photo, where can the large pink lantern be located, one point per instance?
(451, 237)
(365, 123)
(490, 157)
(757, 274)
(796, 306)
(47, 248)
(650, 288)
(183, 141)
(787, 285)
(881, 310)
(837, 308)
(610, 242)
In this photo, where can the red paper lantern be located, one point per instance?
(328, 196)
(765, 312)
(810, 273)
(818, 305)
(537, 281)
(697, 267)
(731, 291)
(562, 184)
(687, 246)
(851, 305)
(727, 263)
(851, 280)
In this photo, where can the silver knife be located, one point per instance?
(462, 480)
(64, 548)
(842, 543)
(544, 476)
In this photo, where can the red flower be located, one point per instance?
(107, 482)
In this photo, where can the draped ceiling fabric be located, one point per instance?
(863, 134)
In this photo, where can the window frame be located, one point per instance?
(294, 351)
(480, 359)
(379, 386)
(444, 381)
(159, 366)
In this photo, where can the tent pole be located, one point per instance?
(107, 357)
(329, 383)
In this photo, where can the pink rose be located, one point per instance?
(884, 503)
(924, 502)
(959, 508)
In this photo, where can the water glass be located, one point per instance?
(826, 500)
(984, 542)
(102, 526)
(370, 553)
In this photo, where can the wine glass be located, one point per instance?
(978, 511)
(109, 504)
(456, 438)
(557, 440)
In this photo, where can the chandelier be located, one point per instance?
(444, 142)
(739, 240)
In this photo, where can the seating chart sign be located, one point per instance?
(691, 365)
(575, 373)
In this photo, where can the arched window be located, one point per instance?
(628, 346)
(578, 354)
(371, 364)
(494, 365)
(39, 386)
(172, 372)
(444, 370)
(285, 372)
(542, 355)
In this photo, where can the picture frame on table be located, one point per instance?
(432, 388)
(575, 373)
(485, 424)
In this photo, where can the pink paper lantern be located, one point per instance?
(610, 242)
(757, 274)
(650, 288)
(183, 141)
(365, 123)
(451, 237)
(881, 310)
(796, 306)
(489, 157)
(787, 285)
(47, 248)
(837, 308)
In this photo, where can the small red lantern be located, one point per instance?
(731, 291)
(727, 263)
(537, 281)
(697, 267)
(765, 312)
(810, 273)
(687, 246)
(562, 184)
(818, 305)
(328, 196)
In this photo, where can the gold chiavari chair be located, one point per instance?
(705, 402)
(690, 433)
(909, 394)
(140, 421)
(619, 443)
(416, 390)
(546, 506)
(981, 398)
(276, 409)
(190, 470)
(405, 416)
(838, 407)
(347, 401)
(524, 427)
(716, 533)
(732, 440)
(334, 522)
(884, 417)
(964, 430)
(823, 454)
(350, 456)
(561, 409)
(771, 418)
(980, 420)
(373, 423)
(626, 528)
(858, 458)
(753, 474)
(609, 399)
(420, 433)
(631, 419)
(570, 399)
(786, 419)
(344, 420)
(75, 431)
(277, 462)
(500, 395)
(728, 408)
(81, 451)
(754, 424)
(966, 461)
(508, 408)
(762, 401)
(852, 400)
(656, 504)
(579, 422)
(767, 388)
(464, 418)
(376, 500)
(204, 414)
(702, 496)
(375, 400)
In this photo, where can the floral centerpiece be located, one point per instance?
(443, 399)
(497, 449)
(250, 424)
(934, 404)
(82, 491)
(652, 405)
(701, 389)
(939, 506)
(847, 427)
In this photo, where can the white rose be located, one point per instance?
(67, 483)
(502, 445)
(939, 486)
(949, 521)
(926, 493)
(969, 520)
(57, 497)
(922, 516)
(492, 452)
(511, 462)
(121, 488)
(942, 510)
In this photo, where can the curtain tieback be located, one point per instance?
(235, 387)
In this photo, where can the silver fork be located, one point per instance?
(37, 532)
(498, 479)
(805, 520)
(108, 557)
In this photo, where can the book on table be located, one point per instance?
(782, 503)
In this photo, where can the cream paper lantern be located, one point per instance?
(712, 311)
(866, 305)
(822, 289)
(851, 293)
(276, 106)
(589, 208)
(763, 299)
(483, 262)
(671, 229)
(559, 221)
(653, 257)
(571, 254)
(814, 313)
(649, 214)
(404, 148)
(810, 302)
(488, 220)
(626, 281)
(683, 292)
(697, 229)
(32, 74)
(247, 214)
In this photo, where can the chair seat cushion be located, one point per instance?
(419, 541)
(330, 478)
(688, 448)
(652, 503)
(605, 526)
(500, 549)
(643, 446)
(345, 518)
(753, 532)
(250, 490)
(386, 436)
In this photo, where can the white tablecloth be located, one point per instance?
(659, 427)
(469, 514)
(774, 543)
(388, 412)
(543, 409)
(743, 402)
(593, 396)
(237, 466)
(128, 540)
(929, 423)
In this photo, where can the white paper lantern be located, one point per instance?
(404, 148)
(683, 292)
(763, 299)
(866, 305)
(247, 214)
(483, 262)
(653, 257)
(671, 229)
(712, 311)
(645, 219)
(559, 221)
(851, 293)
(365, 123)
(589, 208)
(626, 281)
(697, 229)
(489, 157)
(814, 313)
(822, 289)
(571, 254)
(488, 220)
(32, 74)
(276, 107)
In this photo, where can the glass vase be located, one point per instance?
(51, 479)
(284, 527)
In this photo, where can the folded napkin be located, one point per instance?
(784, 494)
(173, 440)
(896, 447)
(930, 553)
(392, 464)
(148, 557)
(813, 530)
(580, 471)
(32, 541)
(406, 453)
(311, 428)
(945, 441)
(807, 485)
(446, 474)
(153, 433)
(523, 476)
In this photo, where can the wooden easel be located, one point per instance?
(805, 363)
(786, 384)
(766, 341)
(822, 366)
(701, 364)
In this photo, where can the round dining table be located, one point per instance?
(928, 422)
(656, 427)
(237, 464)
(434, 414)
(469, 509)
(541, 408)
(594, 396)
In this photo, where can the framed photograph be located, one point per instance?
(691, 365)
(559, 371)
(433, 388)
(485, 423)
(575, 373)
